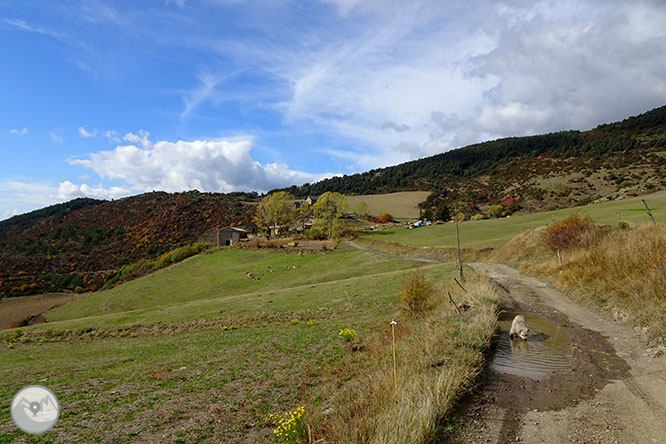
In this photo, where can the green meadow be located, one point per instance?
(200, 352)
(495, 232)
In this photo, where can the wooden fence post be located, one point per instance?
(458, 259)
(649, 212)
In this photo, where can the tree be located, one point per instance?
(361, 210)
(426, 214)
(275, 212)
(442, 212)
(327, 212)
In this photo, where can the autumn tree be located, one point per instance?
(276, 211)
(327, 212)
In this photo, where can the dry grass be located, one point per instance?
(403, 205)
(439, 356)
(622, 271)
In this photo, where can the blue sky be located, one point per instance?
(112, 98)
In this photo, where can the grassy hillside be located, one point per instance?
(199, 352)
(83, 242)
(548, 171)
(400, 205)
(495, 232)
(221, 275)
(621, 271)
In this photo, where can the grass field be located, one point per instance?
(403, 206)
(199, 352)
(494, 232)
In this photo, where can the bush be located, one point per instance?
(416, 294)
(315, 233)
(478, 216)
(574, 231)
(385, 218)
(495, 211)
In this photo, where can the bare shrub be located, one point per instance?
(416, 295)
(574, 231)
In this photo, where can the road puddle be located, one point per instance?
(546, 350)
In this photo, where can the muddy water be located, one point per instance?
(546, 350)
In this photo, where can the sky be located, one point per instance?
(107, 99)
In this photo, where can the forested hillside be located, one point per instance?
(486, 172)
(83, 243)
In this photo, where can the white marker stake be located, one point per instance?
(395, 368)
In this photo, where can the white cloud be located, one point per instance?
(113, 136)
(214, 166)
(87, 134)
(6, 214)
(56, 137)
(141, 138)
(18, 197)
(179, 3)
(19, 132)
(68, 191)
(408, 80)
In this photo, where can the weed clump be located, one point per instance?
(348, 335)
(572, 232)
(416, 295)
(290, 426)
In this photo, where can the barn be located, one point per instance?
(230, 235)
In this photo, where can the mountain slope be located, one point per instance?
(83, 242)
(487, 172)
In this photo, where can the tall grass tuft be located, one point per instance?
(622, 271)
(440, 354)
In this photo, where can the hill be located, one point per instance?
(84, 242)
(201, 333)
(547, 171)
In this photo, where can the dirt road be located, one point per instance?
(613, 390)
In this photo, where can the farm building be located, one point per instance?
(230, 235)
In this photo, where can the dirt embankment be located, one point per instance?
(613, 391)
(29, 309)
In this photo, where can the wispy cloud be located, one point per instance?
(113, 136)
(56, 137)
(179, 3)
(87, 134)
(24, 26)
(19, 132)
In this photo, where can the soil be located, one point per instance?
(613, 392)
(28, 310)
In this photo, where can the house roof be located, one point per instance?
(240, 230)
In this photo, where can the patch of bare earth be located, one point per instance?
(613, 392)
(29, 308)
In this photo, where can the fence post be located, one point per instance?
(458, 259)
(649, 212)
